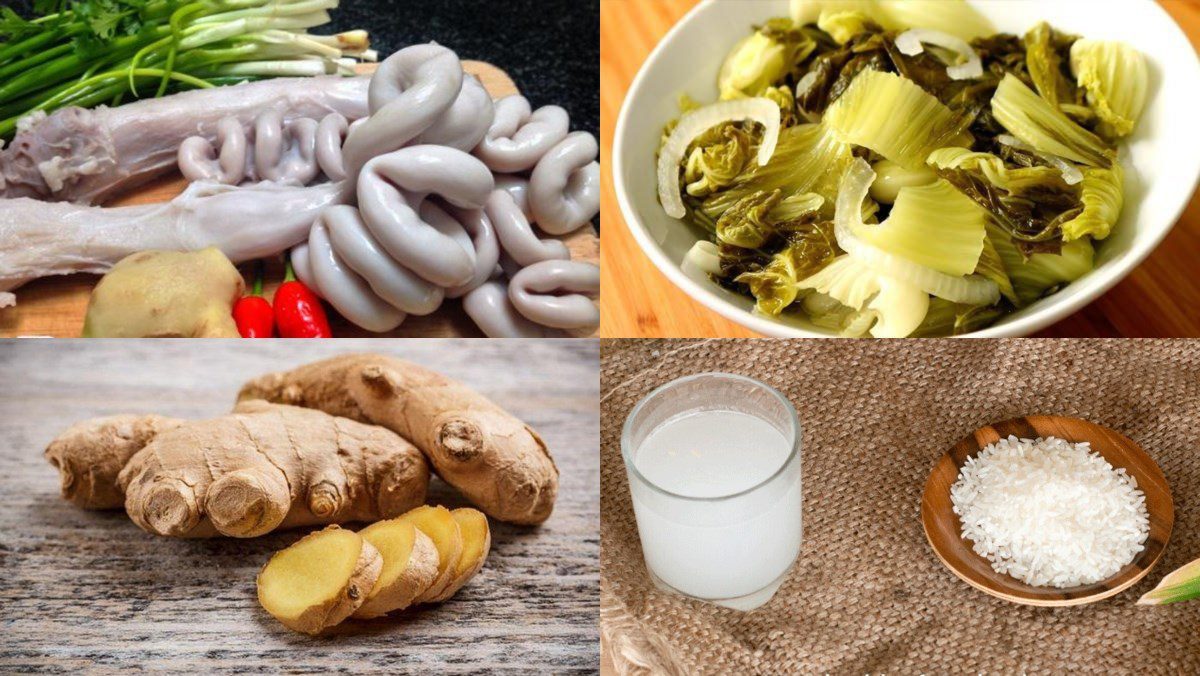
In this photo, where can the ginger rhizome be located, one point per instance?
(442, 529)
(166, 294)
(266, 466)
(498, 462)
(476, 543)
(328, 576)
(410, 565)
(319, 581)
(90, 454)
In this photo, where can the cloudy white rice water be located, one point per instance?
(1050, 513)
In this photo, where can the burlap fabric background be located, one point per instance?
(867, 594)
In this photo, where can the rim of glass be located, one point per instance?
(627, 425)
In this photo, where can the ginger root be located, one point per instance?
(306, 585)
(90, 454)
(476, 543)
(494, 459)
(319, 581)
(166, 294)
(439, 524)
(264, 467)
(410, 565)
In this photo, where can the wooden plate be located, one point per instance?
(944, 530)
(55, 306)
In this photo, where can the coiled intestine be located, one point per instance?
(549, 299)
(295, 152)
(424, 218)
(564, 188)
(519, 137)
(558, 294)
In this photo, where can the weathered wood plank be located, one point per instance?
(89, 590)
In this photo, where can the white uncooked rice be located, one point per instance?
(1050, 513)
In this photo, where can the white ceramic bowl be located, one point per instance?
(1162, 159)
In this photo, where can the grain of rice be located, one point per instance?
(1049, 512)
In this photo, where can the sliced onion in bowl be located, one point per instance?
(761, 110)
(909, 44)
(705, 257)
(971, 289)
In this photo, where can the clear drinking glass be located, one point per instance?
(733, 550)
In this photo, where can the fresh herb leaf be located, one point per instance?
(13, 25)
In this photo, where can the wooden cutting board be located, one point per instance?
(55, 306)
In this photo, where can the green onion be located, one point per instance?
(1181, 585)
(89, 52)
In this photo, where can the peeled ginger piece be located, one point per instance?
(410, 566)
(439, 524)
(476, 543)
(319, 581)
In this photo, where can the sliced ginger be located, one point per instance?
(390, 565)
(319, 581)
(477, 542)
(441, 527)
(410, 566)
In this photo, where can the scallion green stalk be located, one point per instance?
(152, 47)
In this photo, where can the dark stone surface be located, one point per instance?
(551, 48)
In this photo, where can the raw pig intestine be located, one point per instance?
(87, 156)
(387, 237)
(272, 149)
(431, 222)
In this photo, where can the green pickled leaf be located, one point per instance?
(948, 16)
(774, 286)
(807, 159)
(1041, 273)
(718, 157)
(844, 24)
(1030, 203)
(833, 68)
(954, 17)
(809, 11)
(1103, 196)
(932, 225)
(945, 318)
(763, 60)
(1030, 118)
(1047, 53)
(992, 267)
(796, 207)
(758, 218)
(736, 261)
(899, 308)
(1117, 81)
(894, 117)
(782, 96)
(891, 177)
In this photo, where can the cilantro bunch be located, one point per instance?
(92, 52)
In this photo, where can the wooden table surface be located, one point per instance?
(1159, 298)
(83, 590)
(55, 306)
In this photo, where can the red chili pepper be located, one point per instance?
(298, 311)
(252, 313)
